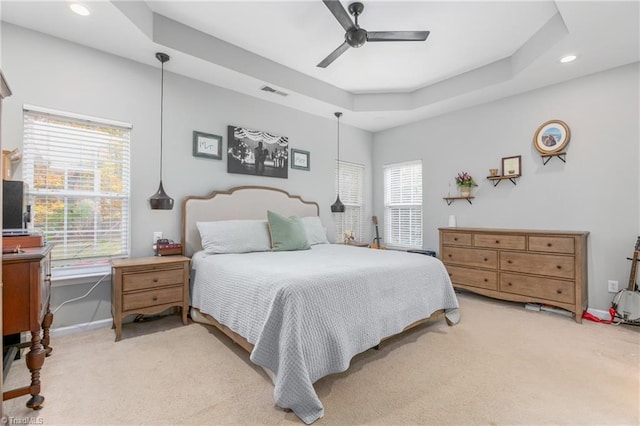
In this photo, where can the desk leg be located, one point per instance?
(46, 324)
(35, 359)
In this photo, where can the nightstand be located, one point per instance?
(148, 285)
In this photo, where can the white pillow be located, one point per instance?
(234, 236)
(316, 233)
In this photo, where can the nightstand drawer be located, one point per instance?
(152, 279)
(145, 299)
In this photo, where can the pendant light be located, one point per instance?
(338, 207)
(160, 200)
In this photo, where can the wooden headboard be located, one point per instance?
(242, 202)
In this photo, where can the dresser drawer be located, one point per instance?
(514, 242)
(552, 244)
(540, 264)
(542, 288)
(154, 297)
(456, 238)
(470, 257)
(473, 277)
(151, 279)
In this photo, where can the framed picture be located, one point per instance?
(512, 166)
(299, 159)
(206, 145)
(254, 152)
(552, 137)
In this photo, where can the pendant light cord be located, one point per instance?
(161, 114)
(338, 114)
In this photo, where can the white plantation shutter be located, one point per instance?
(351, 177)
(403, 204)
(77, 174)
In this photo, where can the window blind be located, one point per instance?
(77, 175)
(351, 177)
(403, 204)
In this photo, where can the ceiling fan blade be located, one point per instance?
(336, 8)
(333, 55)
(397, 35)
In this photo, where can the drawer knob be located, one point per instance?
(497, 241)
(559, 291)
(549, 244)
(509, 284)
(485, 259)
(509, 261)
(450, 255)
(486, 280)
(455, 238)
(155, 280)
(559, 267)
(155, 298)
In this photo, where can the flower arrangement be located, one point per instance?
(465, 179)
(349, 237)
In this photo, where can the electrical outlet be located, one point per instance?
(613, 286)
(157, 236)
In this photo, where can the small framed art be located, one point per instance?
(512, 166)
(300, 159)
(552, 137)
(207, 145)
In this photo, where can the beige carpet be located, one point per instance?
(501, 365)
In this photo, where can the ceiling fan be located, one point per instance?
(356, 36)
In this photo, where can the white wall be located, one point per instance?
(596, 190)
(52, 73)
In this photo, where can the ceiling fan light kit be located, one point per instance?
(356, 36)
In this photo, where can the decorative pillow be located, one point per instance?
(316, 233)
(287, 233)
(234, 236)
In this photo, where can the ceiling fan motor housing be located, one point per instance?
(356, 37)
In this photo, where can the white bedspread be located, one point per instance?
(308, 312)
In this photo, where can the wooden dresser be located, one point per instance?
(548, 267)
(25, 307)
(148, 285)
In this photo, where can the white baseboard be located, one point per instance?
(79, 328)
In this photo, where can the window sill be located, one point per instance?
(71, 276)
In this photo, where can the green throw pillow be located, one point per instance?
(287, 233)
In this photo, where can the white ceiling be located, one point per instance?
(477, 51)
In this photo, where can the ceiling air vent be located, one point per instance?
(272, 90)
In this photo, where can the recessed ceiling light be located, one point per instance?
(568, 58)
(79, 9)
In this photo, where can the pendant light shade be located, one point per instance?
(160, 200)
(338, 207)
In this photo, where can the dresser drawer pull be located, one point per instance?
(549, 244)
(559, 267)
(509, 284)
(486, 280)
(497, 241)
(559, 291)
(455, 238)
(486, 260)
(508, 261)
(155, 298)
(450, 255)
(155, 280)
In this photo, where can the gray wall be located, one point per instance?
(596, 190)
(52, 73)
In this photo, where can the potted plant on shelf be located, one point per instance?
(465, 182)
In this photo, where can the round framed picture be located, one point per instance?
(552, 137)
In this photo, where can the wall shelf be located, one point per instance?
(547, 157)
(450, 200)
(497, 179)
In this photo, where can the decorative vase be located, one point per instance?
(465, 191)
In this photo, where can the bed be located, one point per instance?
(303, 312)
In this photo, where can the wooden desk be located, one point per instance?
(25, 307)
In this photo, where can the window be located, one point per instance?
(403, 204)
(77, 174)
(351, 194)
